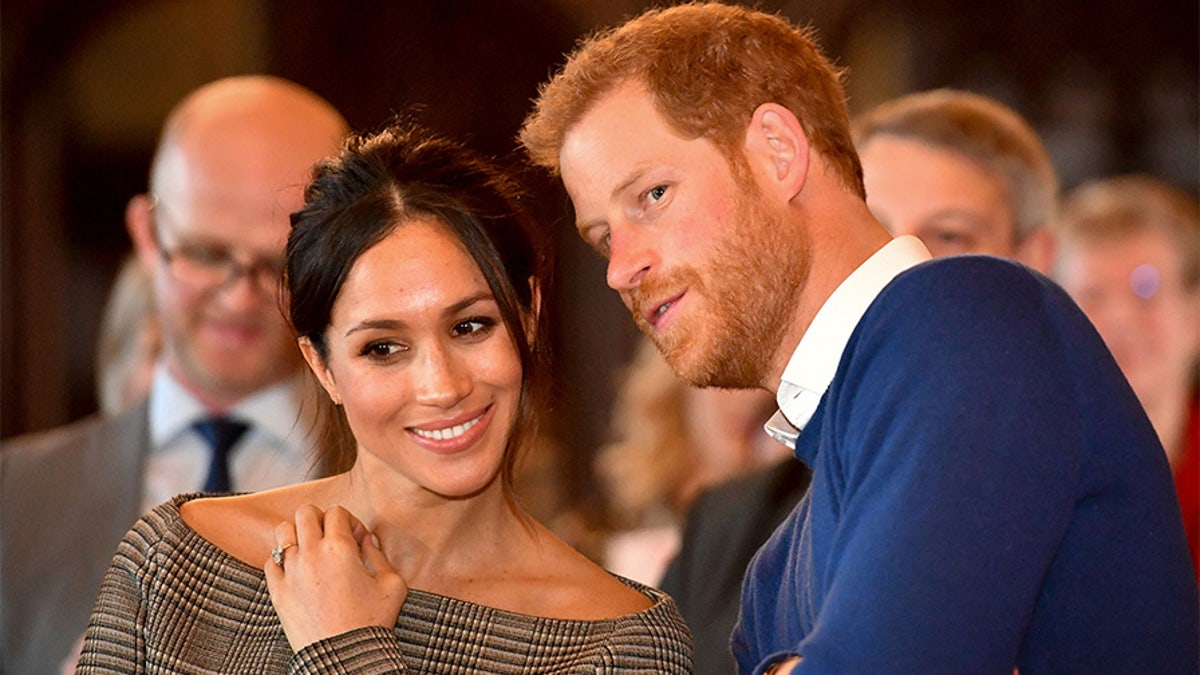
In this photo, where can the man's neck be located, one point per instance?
(836, 252)
(215, 399)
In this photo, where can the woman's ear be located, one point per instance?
(777, 148)
(317, 365)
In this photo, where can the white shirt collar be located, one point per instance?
(815, 361)
(274, 411)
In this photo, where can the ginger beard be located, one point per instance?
(747, 291)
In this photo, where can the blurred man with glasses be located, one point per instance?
(227, 409)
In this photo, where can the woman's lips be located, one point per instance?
(452, 435)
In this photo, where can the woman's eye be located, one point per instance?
(478, 326)
(381, 350)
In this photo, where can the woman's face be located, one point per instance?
(422, 363)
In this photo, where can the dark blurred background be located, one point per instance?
(84, 87)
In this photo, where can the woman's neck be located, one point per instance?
(427, 537)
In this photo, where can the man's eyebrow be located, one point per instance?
(633, 177)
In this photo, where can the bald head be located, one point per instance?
(231, 166)
(256, 130)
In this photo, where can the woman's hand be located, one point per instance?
(331, 577)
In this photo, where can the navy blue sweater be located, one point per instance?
(987, 494)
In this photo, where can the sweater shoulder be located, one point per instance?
(962, 278)
(159, 530)
(974, 301)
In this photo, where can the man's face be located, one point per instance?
(701, 262)
(1132, 289)
(228, 340)
(939, 196)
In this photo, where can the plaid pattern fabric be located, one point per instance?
(172, 602)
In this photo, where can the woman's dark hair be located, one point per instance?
(377, 183)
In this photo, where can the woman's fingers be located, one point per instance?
(313, 529)
(336, 579)
(310, 525)
(285, 533)
(274, 574)
(340, 523)
(373, 557)
(360, 530)
(285, 541)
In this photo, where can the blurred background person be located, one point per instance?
(227, 409)
(964, 173)
(130, 340)
(724, 527)
(1129, 253)
(669, 442)
(961, 171)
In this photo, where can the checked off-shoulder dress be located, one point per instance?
(172, 602)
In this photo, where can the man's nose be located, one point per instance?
(631, 256)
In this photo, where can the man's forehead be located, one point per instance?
(615, 137)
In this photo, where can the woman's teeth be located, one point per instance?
(449, 433)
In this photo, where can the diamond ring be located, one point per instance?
(277, 553)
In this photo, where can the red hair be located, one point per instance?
(708, 67)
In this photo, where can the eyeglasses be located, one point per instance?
(209, 266)
(205, 267)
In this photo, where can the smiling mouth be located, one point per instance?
(449, 433)
(655, 315)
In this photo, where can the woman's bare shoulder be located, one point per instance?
(604, 593)
(243, 525)
(576, 587)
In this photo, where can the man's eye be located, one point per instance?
(205, 255)
(598, 239)
(953, 239)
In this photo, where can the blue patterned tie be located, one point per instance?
(221, 434)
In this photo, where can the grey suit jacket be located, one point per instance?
(67, 496)
(726, 525)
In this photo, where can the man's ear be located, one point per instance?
(777, 149)
(139, 222)
(317, 365)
